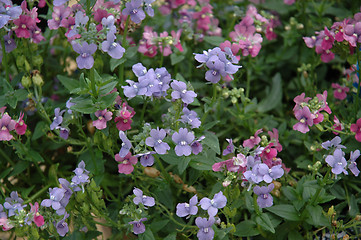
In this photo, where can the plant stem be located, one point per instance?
(5, 59)
(6, 157)
(38, 194)
(162, 169)
(92, 81)
(124, 41)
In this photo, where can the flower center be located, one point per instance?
(184, 91)
(183, 143)
(52, 197)
(302, 120)
(125, 162)
(265, 196)
(205, 230)
(159, 141)
(186, 205)
(23, 26)
(9, 41)
(100, 118)
(214, 73)
(134, 11)
(84, 55)
(4, 128)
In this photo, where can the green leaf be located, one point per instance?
(316, 218)
(274, 97)
(83, 105)
(246, 228)
(353, 207)
(21, 94)
(158, 225)
(19, 168)
(211, 140)
(107, 88)
(34, 156)
(147, 235)
(39, 130)
(12, 99)
(176, 58)
(69, 83)
(116, 62)
(172, 236)
(183, 163)
(294, 235)
(170, 158)
(286, 211)
(214, 40)
(5, 173)
(264, 221)
(179, 77)
(107, 100)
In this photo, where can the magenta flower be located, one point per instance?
(124, 117)
(20, 126)
(305, 118)
(103, 117)
(85, 59)
(339, 92)
(38, 219)
(6, 125)
(24, 23)
(299, 100)
(126, 163)
(356, 128)
(338, 125)
(253, 140)
(59, 19)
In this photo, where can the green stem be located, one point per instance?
(256, 207)
(124, 41)
(143, 111)
(248, 81)
(6, 157)
(92, 82)
(323, 183)
(5, 59)
(162, 169)
(38, 193)
(170, 215)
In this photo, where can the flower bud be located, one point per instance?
(38, 60)
(26, 81)
(190, 189)
(358, 218)
(37, 79)
(20, 61)
(151, 172)
(277, 184)
(27, 66)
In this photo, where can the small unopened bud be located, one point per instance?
(305, 74)
(37, 79)
(358, 218)
(26, 81)
(190, 189)
(277, 184)
(287, 27)
(346, 237)
(151, 172)
(300, 26)
(90, 127)
(226, 183)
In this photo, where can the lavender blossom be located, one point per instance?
(191, 118)
(81, 176)
(230, 148)
(108, 23)
(205, 228)
(183, 139)
(63, 132)
(216, 71)
(14, 204)
(135, 89)
(69, 104)
(139, 70)
(180, 91)
(337, 162)
(68, 192)
(140, 198)
(212, 206)
(114, 49)
(80, 21)
(148, 7)
(185, 209)
(126, 145)
(58, 3)
(58, 119)
(8, 13)
(61, 226)
(270, 174)
(156, 140)
(197, 146)
(133, 8)
(264, 197)
(85, 59)
(138, 226)
(9, 43)
(334, 143)
(353, 165)
(56, 195)
(146, 159)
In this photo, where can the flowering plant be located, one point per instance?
(180, 119)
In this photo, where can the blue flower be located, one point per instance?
(111, 47)
(85, 59)
(156, 140)
(191, 118)
(180, 92)
(133, 8)
(205, 228)
(212, 206)
(264, 197)
(58, 119)
(183, 139)
(185, 209)
(138, 226)
(353, 165)
(126, 145)
(140, 198)
(337, 162)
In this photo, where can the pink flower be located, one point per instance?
(103, 117)
(340, 92)
(5, 223)
(38, 219)
(305, 118)
(322, 98)
(356, 128)
(253, 140)
(243, 30)
(269, 152)
(23, 25)
(6, 125)
(274, 139)
(299, 100)
(124, 118)
(20, 126)
(126, 163)
(338, 125)
(289, 2)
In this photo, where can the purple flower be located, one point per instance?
(264, 197)
(337, 162)
(59, 15)
(126, 145)
(148, 7)
(140, 198)
(58, 3)
(151, 82)
(81, 176)
(216, 71)
(13, 204)
(58, 119)
(56, 195)
(138, 226)
(146, 159)
(2, 213)
(8, 13)
(191, 118)
(180, 91)
(85, 59)
(68, 192)
(205, 228)
(6, 125)
(61, 226)
(270, 174)
(212, 206)
(185, 209)
(335, 142)
(305, 118)
(139, 88)
(69, 104)
(9, 43)
(197, 146)
(164, 79)
(156, 140)
(81, 19)
(103, 117)
(183, 139)
(114, 49)
(254, 175)
(230, 148)
(139, 70)
(63, 132)
(353, 165)
(133, 8)
(108, 23)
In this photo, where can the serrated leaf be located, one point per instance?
(274, 97)
(83, 105)
(264, 221)
(211, 140)
(69, 83)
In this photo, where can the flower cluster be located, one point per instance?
(7, 124)
(308, 111)
(59, 124)
(210, 205)
(347, 31)
(336, 160)
(219, 64)
(150, 43)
